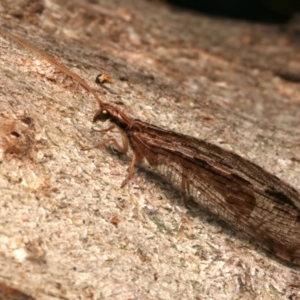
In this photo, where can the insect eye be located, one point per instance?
(102, 115)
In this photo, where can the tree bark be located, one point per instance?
(68, 231)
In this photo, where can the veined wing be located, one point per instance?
(241, 193)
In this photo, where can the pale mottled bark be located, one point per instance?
(232, 83)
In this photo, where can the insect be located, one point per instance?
(239, 192)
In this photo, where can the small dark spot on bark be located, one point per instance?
(27, 120)
(16, 134)
(291, 77)
(123, 78)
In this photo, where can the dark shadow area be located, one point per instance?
(265, 11)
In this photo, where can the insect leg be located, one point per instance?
(130, 171)
(122, 149)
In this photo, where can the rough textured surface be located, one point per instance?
(67, 230)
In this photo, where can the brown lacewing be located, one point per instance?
(242, 194)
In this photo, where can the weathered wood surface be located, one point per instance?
(67, 229)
